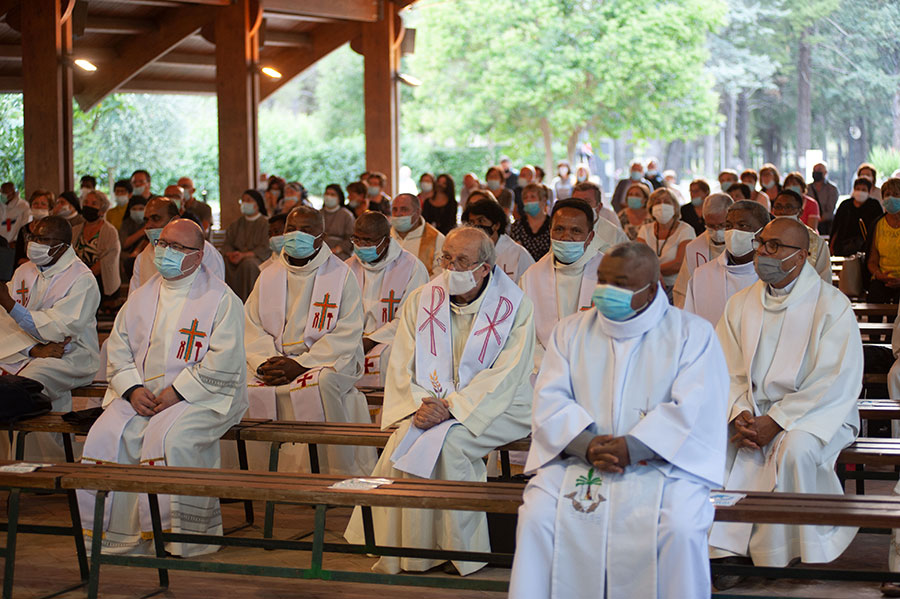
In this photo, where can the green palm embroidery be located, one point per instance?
(588, 481)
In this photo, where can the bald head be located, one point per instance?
(184, 231)
(159, 212)
(306, 219)
(406, 204)
(372, 224)
(716, 204)
(54, 227)
(789, 231)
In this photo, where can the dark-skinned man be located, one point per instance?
(48, 323)
(177, 383)
(790, 205)
(276, 239)
(795, 361)
(713, 283)
(159, 212)
(627, 441)
(561, 283)
(386, 274)
(304, 326)
(457, 387)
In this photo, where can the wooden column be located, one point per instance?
(47, 96)
(237, 92)
(381, 57)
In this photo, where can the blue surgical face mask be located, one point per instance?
(248, 208)
(636, 175)
(532, 208)
(892, 204)
(615, 302)
(366, 253)
(298, 244)
(697, 201)
(402, 223)
(727, 185)
(796, 189)
(153, 234)
(168, 262)
(493, 184)
(567, 252)
(635, 202)
(373, 190)
(276, 243)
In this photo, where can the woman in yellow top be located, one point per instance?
(884, 256)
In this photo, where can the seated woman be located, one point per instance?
(96, 242)
(246, 244)
(132, 237)
(867, 170)
(854, 219)
(439, 211)
(884, 250)
(339, 222)
(68, 206)
(810, 214)
(668, 236)
(692, 213)
(41, 201)
(634, 215)
(770, 181)
(532, 231)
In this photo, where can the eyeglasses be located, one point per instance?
(51, 241)
(366, 241)
(175, 246)
(772, 245)
(461, 263)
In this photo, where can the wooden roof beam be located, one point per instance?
(7, 5)
(119, 26)
(290, 62)
(135, 53)
(347, 10)
(285, 38)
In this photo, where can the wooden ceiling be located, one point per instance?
(166, 45)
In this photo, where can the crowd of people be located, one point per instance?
(653, 347)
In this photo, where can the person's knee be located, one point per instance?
(800, 451)
(537, 512)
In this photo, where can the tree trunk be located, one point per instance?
(709, 156)
(895, 139)
(571, 146)
(804, 105)
(728, 103)
(548, 146)
(743, 128)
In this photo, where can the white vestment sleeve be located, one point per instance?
(341, 345)
(71, 315)
(121, 371)
(729, 332)
(387, 332)
(260, 345)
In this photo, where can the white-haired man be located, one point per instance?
(705, 248)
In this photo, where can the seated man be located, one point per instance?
(483, 211)
(561, 283)
(387, 274)
(706, 247)
(304, 323)
(457, 384)
(276, 239)
(176, 384)
(715, 282)
(415, 235)
(49, 330)
(159, 212)
(607, 226)
(796, 363)
(789, 204)
(624, 461)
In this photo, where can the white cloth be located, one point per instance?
(666, 249)
(713, 284)
(628, 533)
(144, 267)
(797, 358)
(13, 216)
(167, 334)
(493, 408)
(608, 230)
(335, 358)
(558, 290)
(698, 252)
(512, 257)
(413, 240)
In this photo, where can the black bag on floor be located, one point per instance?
(21, 398)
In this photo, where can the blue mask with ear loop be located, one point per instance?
(366, 253)
(168, 262)
(615, 302)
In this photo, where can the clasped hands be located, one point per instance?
(608, 454)
(49, 350)
(432, 412)
(279, 370)
(754, 432)
(146, 404)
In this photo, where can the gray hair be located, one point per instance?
(101, 197)
(717, 203)
(486, 251)
(639, 252)
(756, 210)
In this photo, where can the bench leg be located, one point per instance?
(270, 506)
(158, 542)
(245, 465)
(96, 545)
(20, 445)
(315, 566)
(313, 458)
(861, 482)
(505, 469)
(67, 447)
(368, 528)
(78, 535)
(9, 568)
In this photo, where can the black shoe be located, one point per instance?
(723, 582)
(890, 589)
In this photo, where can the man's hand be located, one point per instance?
(6, 299)
(766, 429)
(143, 401)
(279, 370)
(745, 431)
(166, 399)
(608, 453)
(432, 412)
(368, 345)
(49, 350)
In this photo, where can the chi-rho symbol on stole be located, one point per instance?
(491, 329)
(192, 343)
(437, 293)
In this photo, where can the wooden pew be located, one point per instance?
(876, 332)
(888, 311)
(879, 409)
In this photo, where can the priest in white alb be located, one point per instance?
(415, 235)
(796, 363)
(458, 388)
(706, 247)
(49, 325)
(177, 383)
(607, 227)
(561, 283)
(627, 441)
(713, 283)
(483, 211)
(304, 326)
(159, 212)
(387, 274)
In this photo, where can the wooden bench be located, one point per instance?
(876, 332)
(875, 310)
(879, 409)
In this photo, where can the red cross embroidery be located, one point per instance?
(303, 380)
(192, 335)
(23, 291)
(319, 318)
(390, 301)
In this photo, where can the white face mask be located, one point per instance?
(330, 201)
(663, 213)
(138, 190)
(39, 253)
(39, 213)
(121, 200)
(718, 236)
(739, 243)
(860, 196)
(461, 281)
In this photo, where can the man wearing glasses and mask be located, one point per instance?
(795, 358)
(49, 325)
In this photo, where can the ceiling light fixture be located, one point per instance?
(85, 64)
(270, 72)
